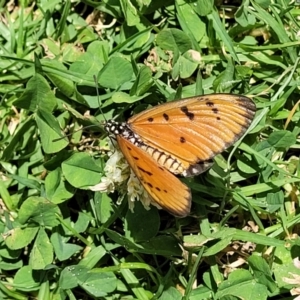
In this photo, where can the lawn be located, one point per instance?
(71, 226)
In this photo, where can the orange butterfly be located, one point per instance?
(180, 137)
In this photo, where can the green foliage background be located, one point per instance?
(60, 240)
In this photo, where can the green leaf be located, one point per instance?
(130, 12)
(97, 284)
(37, 95)
(116, 72)
(203, 7)
(41, 254)
(121, 97)
(262, 272)
(184, 66)
(222, 33)
(285, 267)
(281, 139)
(171, 293)
(25, 281)
(57, 190)
(38, 210)
(51, 135)
(146, 230)
(242, 15)
(103, 206)
(143, 81)
(81, 171)
(19, 238)
(19, 139)
(63, 250)
(174, 40)
(240, 284)
(95, 57)
(190, 23)
(274, 201)
(93, 257)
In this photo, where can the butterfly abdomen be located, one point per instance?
(163, 159)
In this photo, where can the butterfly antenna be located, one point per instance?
(98, 97)
(71, 133)
(96, 83)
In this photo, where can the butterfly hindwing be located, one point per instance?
(163, 187)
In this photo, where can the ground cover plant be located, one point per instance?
(64, 236)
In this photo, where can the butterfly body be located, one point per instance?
(180, 137)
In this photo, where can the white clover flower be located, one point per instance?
(134, 190)
(106, 185)
(117, 172)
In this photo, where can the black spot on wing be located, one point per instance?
(190, 116)
(185, 110)
(182, 139)
(145, 171)
(166, 117)
(210, 104)
(215, 110)
(150, 119)
(149, 184)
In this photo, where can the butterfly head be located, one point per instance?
(114, 127)
(124, 130)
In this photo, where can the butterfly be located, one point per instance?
(180, 138)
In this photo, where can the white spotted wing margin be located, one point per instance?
(162, 186)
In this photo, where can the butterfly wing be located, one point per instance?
(163, 187)
(195, 129)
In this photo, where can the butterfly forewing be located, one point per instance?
(163, 187)
(195, 129)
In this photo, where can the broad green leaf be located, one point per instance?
(19, 238)
(241, 284)
(184, 66)
(115, 72)
(262, 272)
(203, 7)
(81, 171)
(130, 12)
(143, 81)
(282, 139)
(50, 133)
(55, 71)
(40, 211)
(174, 40)
(41, 253)
(93, 257)
(97, 284)
(274, 201)
(37, 95)
(171, 293)
(190, 23)
(146, 230)
(57, 190)
(62, 249)
(25, 281)
(285, 267)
